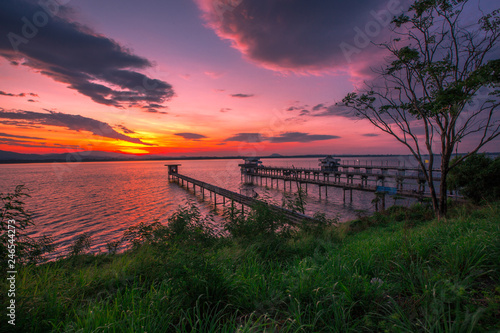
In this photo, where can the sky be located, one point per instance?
(191, 77)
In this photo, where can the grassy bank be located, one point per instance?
(399, 271)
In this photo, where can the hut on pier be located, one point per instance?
(248, 168)
(329, 163)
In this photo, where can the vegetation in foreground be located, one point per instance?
(397, 271)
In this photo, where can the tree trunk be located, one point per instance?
(434, 198)
(443, 186)
(443, 196)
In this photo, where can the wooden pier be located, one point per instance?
(349, 177)
(216, 193)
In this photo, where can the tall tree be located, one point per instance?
(441, 79)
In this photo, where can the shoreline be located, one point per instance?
(68, 158)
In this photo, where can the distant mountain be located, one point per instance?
(8, 156)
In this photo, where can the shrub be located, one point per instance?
(14, 220)
(261, 222)
(322, 224)
(81, 244)
(186, 225)
(477, 178)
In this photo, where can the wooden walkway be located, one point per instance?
(230, 196)
(346, 186)
(401, 174)
(405, 181)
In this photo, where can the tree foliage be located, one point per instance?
(477, 178)
(440, 86)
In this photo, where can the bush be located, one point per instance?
(184, 226)
(477, 178)
(261, 222)
(14, 219)
(81, 244)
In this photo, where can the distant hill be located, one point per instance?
(8, 155)
(88, 156)
(11, 157)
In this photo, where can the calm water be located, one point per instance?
(106, 198)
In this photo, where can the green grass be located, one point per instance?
(398, 271)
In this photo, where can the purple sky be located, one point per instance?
(192, 77)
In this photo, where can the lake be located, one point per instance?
(106, 198)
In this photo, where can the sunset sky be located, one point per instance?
(190, 77)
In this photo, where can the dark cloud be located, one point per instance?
(282, 138)
(295, 107)
(3, 93)
(318, 107)
(69, 121)
(300, 137)
(370, 134)
(190, 136)
(13, 142)
(151, 110)
(323, 110)
(338, 110)
(125, 129)
(31, 100)
(242, 95)
(20, 124)
(20, 136)
(92, 64)
(225, 109)
(246, 137)
(301, 34)
(156, 106)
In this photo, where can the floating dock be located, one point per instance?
(217, 193)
